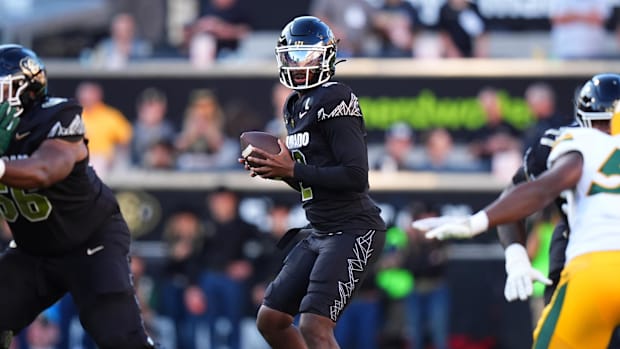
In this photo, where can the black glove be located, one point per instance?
(9, 119)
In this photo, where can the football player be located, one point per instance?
(325, 159)
(594, 103)
(69, 235)
(583, 168)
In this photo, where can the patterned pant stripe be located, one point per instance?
(362, 251)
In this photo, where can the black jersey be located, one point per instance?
(327, 138)
(535, 160)
(55, 219)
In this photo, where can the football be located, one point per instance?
(257, 139)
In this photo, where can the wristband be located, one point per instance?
(2, 167)
(479, 222)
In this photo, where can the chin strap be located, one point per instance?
(5, 339)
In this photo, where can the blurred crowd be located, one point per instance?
(205, 31)
(205, 137)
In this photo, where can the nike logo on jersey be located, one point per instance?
(302, 114)
(92, 251)
(20, 136)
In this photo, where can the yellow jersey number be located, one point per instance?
(306, 192)
(34, 207)
(610, 168)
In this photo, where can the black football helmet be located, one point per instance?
(23, 79)
(306, 53)
(597, 99)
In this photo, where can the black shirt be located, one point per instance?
(463, 26)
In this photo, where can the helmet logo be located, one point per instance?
(298, 43)
(29, 66)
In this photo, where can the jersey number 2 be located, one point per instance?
(610, 168)
(306, 192)
(34, 207)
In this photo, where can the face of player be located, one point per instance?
(602, 125)
(302, 63)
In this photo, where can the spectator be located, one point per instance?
(162, 328)
(397, 23)
(497, 136)
(150, 18)
(107, 130)
(71, 335)
(150, 125)
(428, 306)
(43, 333)
(202, 143)
(160, 155)
(225, 21)
(181, 299)
(578, 28)
(121, 47)
(359, 324)
(538, 243)
(540, 99)
(352, 22)
(398, 149)
(279, 95)
(441, 154)
(462, 30)
(228, 268)
(395, 283)
(270, 260)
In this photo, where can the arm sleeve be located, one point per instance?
(292, 183)
(345, 137)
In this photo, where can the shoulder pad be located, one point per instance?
(53, 101)
(572, 139)
(337, 100)
(67, 118)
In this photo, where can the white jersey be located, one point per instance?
(593, 207)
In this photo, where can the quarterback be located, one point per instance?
(325, 159)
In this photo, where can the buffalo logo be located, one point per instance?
(142, 211)
(29, 66)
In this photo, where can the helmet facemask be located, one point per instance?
(305, 66)
(584, 119)
(12, 87)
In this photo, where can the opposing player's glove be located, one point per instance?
(9, 119)
(520, 274)
(450, 227)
